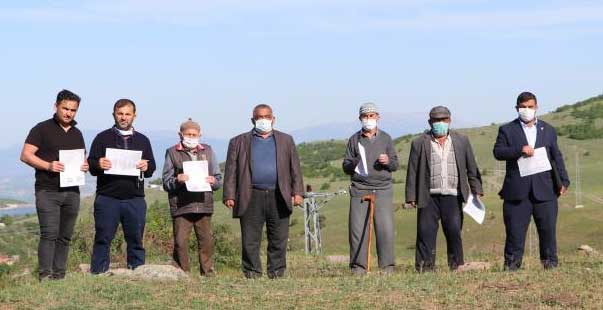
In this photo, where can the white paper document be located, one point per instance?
(475, 209)
(361, 168)
(535, 164)
(197, 172)
(123, 162)
(72, 161)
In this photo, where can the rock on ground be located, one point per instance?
(8, 260)
(480, 266)
(587, 249)
(338, 259)
(146, 272)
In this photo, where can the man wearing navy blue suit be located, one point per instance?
(533, 195)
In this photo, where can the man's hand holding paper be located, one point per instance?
(537, 163)
(123, 162)
(198, 176)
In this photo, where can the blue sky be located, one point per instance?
(314, 61)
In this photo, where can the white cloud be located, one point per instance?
(503, 19)
(314, 15)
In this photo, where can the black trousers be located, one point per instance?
(517, 216)
(57, 214)
(448, 210)
(266, 206)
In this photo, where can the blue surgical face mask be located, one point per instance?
(439, 129)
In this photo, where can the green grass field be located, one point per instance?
(313, 282)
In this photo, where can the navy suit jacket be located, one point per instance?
(509, 143)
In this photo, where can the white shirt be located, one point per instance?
(530, 132)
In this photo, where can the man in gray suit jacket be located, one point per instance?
(262, 182)
(442, 173)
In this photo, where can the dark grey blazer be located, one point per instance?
(237, 172)
(419, 168)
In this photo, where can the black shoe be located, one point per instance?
(57, 276)
(252, 275)
(276, 274)
(209, 274)
(44, 277)
(511, 268)
(387, 270)
(549, 266)
(421, 267)
(358, 271)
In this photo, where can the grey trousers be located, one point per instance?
(57, 214)
(383, 226)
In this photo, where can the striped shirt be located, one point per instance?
(444, 172)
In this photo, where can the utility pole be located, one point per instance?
(313, 202)
(578, 190)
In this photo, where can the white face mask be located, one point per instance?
(190, 143)
(125, 132)
(526, 114)
(263, 125)
(369, 123)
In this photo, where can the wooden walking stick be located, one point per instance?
(371, 199)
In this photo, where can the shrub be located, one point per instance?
(158, 239)
(7, 220)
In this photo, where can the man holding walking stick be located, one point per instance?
(370, 160)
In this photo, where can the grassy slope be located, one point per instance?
(315, 283)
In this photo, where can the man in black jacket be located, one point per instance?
(119, 198)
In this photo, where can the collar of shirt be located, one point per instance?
(525, 126)
(531, 133)
(257, 134)
(118, 132)
(366, 133)
(180, 147)
(448, 139)
(55, 117)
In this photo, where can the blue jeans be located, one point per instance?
(108, 214)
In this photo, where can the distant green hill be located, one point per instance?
(579, 125)
(582, 120)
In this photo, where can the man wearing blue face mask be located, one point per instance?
(370, 160)
(530, 195)
(442, 173)
(262, 182)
